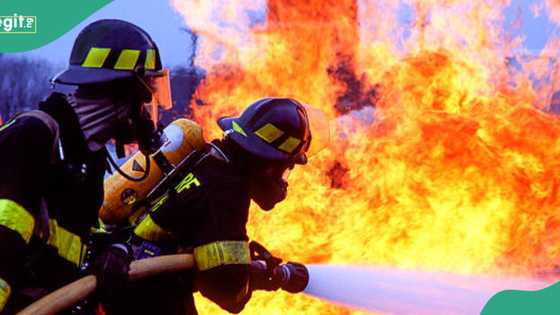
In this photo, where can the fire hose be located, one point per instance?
(292, 277)
(78, 290)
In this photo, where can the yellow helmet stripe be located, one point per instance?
(16, 218)
(127, 59)
(289, 145)
(6, 125)
(96, 57)
(269, 133)
(150, 63)
(220, 253)
(238, 128)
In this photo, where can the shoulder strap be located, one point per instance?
(168, 180)
(42, 227)
(217, 153)
(51, 124)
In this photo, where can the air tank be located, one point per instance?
(122, 195)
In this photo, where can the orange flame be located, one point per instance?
(458, 172)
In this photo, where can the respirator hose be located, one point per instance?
(131, 178)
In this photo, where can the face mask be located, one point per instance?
(138, 127)
(269, 185)
(98, 119)
(102, 120)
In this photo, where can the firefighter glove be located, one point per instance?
(261, 278)
(111, 269)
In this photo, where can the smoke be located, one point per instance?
(396, 291)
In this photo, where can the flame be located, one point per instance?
(443, 158)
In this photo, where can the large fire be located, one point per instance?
(459, 170)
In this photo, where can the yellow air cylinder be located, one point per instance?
(121, 194)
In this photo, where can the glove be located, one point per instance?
(267, 273)
(111, 269)
(263, 279)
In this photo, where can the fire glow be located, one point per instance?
(458, 172)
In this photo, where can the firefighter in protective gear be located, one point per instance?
(206, 210)
(54, 159)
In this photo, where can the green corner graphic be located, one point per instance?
(29, 24)
(513, 302)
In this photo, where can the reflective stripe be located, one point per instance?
(68, 244)
(16, 218)
(102, 227)
(96, 57)
(136, 215)
(269, 133)
(151, 231)
(150, 63)
(222, 253)
(290, 144)
(160, 202)
(238, 128)
(127, 59)
(8, 124)
(5, 291)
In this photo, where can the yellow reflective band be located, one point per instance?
(67, 244)
(238, 128)
(8, 124)
(102, 227)
(151, 231)
(222, 253)
(134, 217)
(159, 202)
(290, 144)
(269, 133)
(187, 182)
(16, 218)
(96, 57)
(127, 59)
(5, 291)
(150, 63)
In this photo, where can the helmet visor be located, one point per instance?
(161, 90)
(320, 129)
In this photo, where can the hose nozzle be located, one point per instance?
(291, 277)
(268, 272)
(295, 277)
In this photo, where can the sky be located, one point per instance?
(157, 17)
(536, 30)
(165, 26)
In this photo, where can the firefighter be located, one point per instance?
(54, 159)
(205, 212)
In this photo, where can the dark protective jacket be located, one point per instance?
(205, 211)
(46, 205)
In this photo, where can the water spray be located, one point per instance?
(384, 289)
(395, 291)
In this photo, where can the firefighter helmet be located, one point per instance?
(107, 50)
(272, 129)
